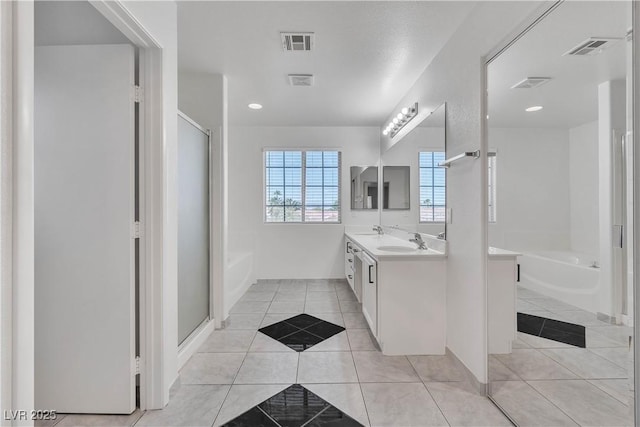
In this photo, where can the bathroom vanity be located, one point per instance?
(402, 291)
(502, 272)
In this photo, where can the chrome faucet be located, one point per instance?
(418, 241)
(441, 236)
(378, 229)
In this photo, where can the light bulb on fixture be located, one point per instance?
(405, 115)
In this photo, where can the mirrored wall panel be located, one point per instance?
(414, 190)
(396, 194)
(560, 298)
(364, 187)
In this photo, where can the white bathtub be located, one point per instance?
(565, 276)
(239, 276)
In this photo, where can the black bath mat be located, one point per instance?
(567, 333)
(302, 331)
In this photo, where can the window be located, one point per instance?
(302, 186)
(492, 185)
(432, 187)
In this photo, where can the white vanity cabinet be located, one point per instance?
(502, 271)
(353, 267)
(370, 293)
(403, 293)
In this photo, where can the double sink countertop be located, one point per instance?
(389, 247)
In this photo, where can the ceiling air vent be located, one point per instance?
(531, 82)
(301, 79)
(297, 42)
(592, 46)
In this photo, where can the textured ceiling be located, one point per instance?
(367, 55)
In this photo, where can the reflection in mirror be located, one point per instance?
(559, 338)
(421, 149)
(396, 194)
(364, 187)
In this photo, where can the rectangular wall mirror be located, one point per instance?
(364, 187)
(420, 203)
(396, 193)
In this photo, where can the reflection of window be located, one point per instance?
(287, 199)
(492, 187)
(432, 187)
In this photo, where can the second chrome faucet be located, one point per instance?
(417, 239)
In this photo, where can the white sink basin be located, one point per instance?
(396, 249)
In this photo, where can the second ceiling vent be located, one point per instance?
(301, 79)
(592, 46)
(531, 82)
(297, 42)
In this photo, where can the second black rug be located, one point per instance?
(564, 332)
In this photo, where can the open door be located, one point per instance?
(84, 223)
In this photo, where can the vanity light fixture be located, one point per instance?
(534, 108)
(255, 106)
(404, 116)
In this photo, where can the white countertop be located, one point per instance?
(502, 253)
(371, 242)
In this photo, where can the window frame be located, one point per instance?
(303, 185)
(420, 205)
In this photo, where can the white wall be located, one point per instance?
(532, 189)
(455, 76)
(284, 251)
(71, 23)
(584, 200)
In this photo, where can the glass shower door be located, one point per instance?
(194, 300)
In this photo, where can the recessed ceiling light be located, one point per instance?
(534, 108)
(254, 106)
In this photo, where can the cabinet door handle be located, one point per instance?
(348, 248)
(350, 277)
(370, 281)
(350, 260)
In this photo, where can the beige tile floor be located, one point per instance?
(547, 383)
(238, 367)
(542, 383)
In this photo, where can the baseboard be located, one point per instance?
(237, 293)
(480, 387)
(189, 347)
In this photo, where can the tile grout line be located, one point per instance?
(319, 413)
(549, 400)
(235, 376)
(428, 391)
(268, 416)
(364, 401)
(606, 392)
(238, 371)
